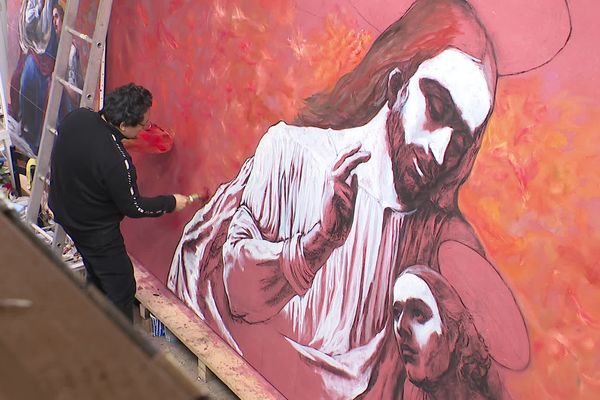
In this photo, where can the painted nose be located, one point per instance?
(403, 328)
(439, 143)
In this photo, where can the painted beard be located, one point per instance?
(411, 187)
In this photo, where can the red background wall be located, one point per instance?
(223, 71)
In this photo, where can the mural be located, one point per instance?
(34, 31)
(402, 233)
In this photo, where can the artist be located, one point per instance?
(93, 186)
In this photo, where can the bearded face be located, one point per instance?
(433, 122)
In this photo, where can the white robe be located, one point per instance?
(35, 25)
(340, 320)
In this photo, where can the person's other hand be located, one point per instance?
(181, 201)
(340, 195)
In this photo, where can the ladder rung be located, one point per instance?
(42, 232)
(69, 85)
(97, 42)
(79, 35)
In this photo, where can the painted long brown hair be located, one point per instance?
(470, 361)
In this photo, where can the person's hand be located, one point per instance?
(338, 209)
(201, 198)
(181, 201)
(340, 196)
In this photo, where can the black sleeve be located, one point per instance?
(121, 180)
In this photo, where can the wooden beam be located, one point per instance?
(61, 341)
(214, 355)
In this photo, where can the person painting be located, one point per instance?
(93, 186)
(301, 248)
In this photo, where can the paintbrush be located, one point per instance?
(195, 197)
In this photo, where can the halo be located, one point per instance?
(526, 34)
(490, 302)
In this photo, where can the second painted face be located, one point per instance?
(422, 342)
(434, 121)
(57, 20)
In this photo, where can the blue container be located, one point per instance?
(158, 329)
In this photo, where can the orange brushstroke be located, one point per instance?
(533, 197)
(581, 313)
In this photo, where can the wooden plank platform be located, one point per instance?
(214, 355)
(62, 341)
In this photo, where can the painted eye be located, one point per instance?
(438, 110)
(420, 316)
(398, 309)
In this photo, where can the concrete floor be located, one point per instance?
(187, 361)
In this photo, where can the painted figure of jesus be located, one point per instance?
(302, 248)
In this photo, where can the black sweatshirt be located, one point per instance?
(93, 182)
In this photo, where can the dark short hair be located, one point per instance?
(127, 104)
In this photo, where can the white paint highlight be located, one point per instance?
(417, 167)
(465, 79)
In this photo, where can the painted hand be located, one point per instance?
(340, 196)
(337, 214)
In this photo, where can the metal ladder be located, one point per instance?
(5, 142)
(88, 94)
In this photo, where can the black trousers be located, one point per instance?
(108, 267)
